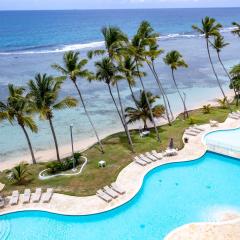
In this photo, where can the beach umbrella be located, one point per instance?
(2, 186)
(171, 144)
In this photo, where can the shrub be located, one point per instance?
(192, 121)
(206, 108)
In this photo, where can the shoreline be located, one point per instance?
(82, 145)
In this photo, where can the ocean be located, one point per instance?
(30, 41)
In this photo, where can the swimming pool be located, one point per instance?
(227, 139)
(172, 195)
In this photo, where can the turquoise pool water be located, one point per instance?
(172, 195)
(229, 139)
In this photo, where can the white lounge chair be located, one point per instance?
(190, 133)
(213, 123)
(2, 202)
(150, 156)
(140, 159)
(194, 130)
(198, 127)
(37, 195)
(171, 152)
(110, 192)
(26, 196)
(117, 189)
(140, 162)
(145, 159)
(47, 195)
(103, 196)
(233, 116)
(14, 198)
(156, 154)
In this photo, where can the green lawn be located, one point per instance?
(117, 156)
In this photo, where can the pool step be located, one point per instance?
(5, 228)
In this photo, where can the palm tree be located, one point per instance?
(235, 83)
(18, 108)
(74, 68)
(141, 112)
(175, 60)
(206, 108)
(210, 28)
(137, 50)
(236, 30)
(107, 72)
(44, 92)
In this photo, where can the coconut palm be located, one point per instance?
(18, 108)
(175, 60)
(206, 108)
(44, 92)
(210, 28)
(152, 54)
(106, 71)
(141, 112)
(235, 83)
(137, 50)
(74, 68)
(236, 30)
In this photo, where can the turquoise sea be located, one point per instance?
(30, 41)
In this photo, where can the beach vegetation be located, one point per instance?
(206, 108)
(236, 30)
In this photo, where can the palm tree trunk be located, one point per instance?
(214, 71)
(124, 120)
(180, 95)
(29, 144)
(54, 138)
(88, 116)
(169, 106)
(161, 92)
(220, 60)
(132, 94)
(149, 107)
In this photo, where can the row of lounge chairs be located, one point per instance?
(234, 115)
(147, 158)
(109, 193)
(27, 196)
(194, 130)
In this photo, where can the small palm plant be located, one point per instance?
(236, 30)
(19, 108)
(19, 174)
(44, 92)
(141, 112)
(235, 83)
(175, 60)
(206, 108)
(74, 68)
(223, 102)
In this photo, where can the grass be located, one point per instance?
(117, 156)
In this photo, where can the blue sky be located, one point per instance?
(104, 4)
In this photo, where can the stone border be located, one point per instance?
(130, 178)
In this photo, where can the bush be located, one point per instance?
(192, 121)
(206, 109)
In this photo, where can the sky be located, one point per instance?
(106, 4)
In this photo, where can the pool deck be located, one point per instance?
(130, 179)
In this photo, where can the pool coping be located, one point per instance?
(131, 179)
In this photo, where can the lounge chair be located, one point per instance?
(140, 162)
(117, 189)
(194, 130)
(190, 133)
(213, 123)
(2, 202)
(140, 159)
(198, 127)
(103, 196)
(14, 198)
(237, 113)
(150, 156)
(26, 196)
(145, 159)
(110, 192)
(156, 154)
(37, 195)
(232, 116)
(171, 152)
(47, 195)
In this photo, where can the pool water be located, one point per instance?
(229, 139)
(172, 195)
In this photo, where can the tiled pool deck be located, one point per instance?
(130, 179)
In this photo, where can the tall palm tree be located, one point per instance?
(236, 30)
(44, 92)
(141, 112)
(219, 44)
(175, 60)
(74, 68)
(210, 28)
(137, 50)
(235, 83)
(106, 71)
(18, 108)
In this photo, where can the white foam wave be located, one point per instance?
(75, 47)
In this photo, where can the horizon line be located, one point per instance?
(102, 9)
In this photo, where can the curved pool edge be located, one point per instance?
(130, 178)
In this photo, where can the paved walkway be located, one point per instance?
(130, 179)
